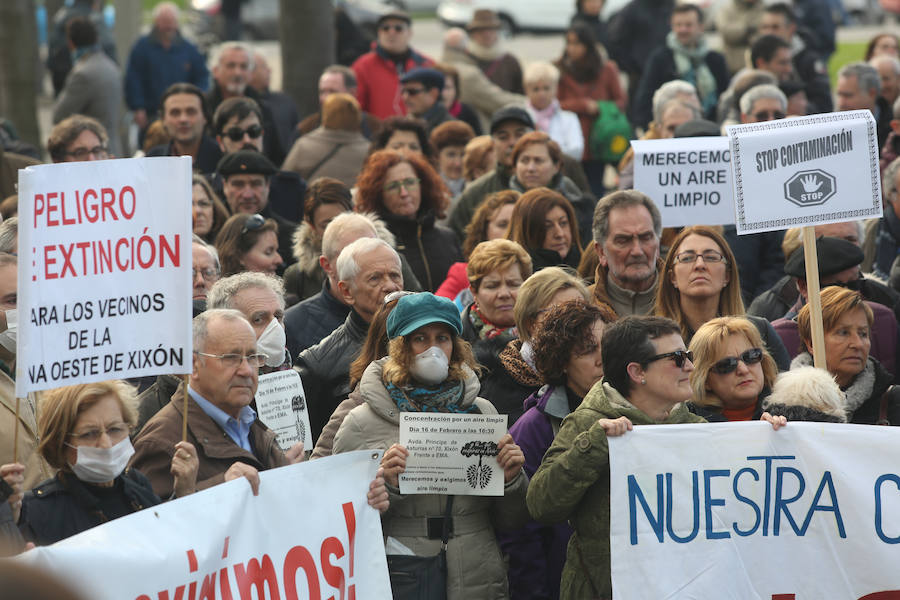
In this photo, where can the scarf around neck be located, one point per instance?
(859, 390)
(445, 397)
(690, 64)
(484, 328)
(543, 116)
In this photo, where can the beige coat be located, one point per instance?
(476, 90)
(737, 22)
(475, 567)
(36, 468)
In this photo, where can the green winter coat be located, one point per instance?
(573, 484)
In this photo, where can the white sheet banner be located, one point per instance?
(309, 534)
(104, 271)
(689, 179)
(738, 511)
(805, 171)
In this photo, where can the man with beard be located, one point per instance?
(185, 118)
(626, 230)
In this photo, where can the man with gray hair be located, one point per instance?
(368, 270)
(888, 68)
(859, 88)
(338, 79)
(626, 231)
(9, 236)
(763, 103)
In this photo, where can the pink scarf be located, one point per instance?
(542, 117)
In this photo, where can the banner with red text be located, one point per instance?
(309, 534)
(738, 511)
(104, 271)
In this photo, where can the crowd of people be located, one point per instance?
(462, 236)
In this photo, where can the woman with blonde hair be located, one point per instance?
(700, 282)
(733, 370)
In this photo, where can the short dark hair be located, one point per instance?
(765, 48)
(346, 72)
(630, 340)
(566, 331)
(240, 107)
(81, 32)
(185, 88)
(393, 124)
(686, 8)
(65, 132)
(326, 190)
(783, 9)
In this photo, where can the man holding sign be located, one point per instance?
(428, 373)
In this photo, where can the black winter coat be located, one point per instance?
(311, 321)
(430, 249)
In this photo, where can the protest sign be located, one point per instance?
(281, 405)
(104, 277)
(452, 454)
(739, 511)
(805, 171)
(689, 179)
(309, 534)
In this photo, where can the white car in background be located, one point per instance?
(536, 16)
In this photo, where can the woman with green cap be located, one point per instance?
(430, 368)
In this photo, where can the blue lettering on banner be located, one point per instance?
(879, 525)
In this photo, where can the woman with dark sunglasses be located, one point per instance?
(733, 371)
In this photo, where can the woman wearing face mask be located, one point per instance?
(429, 368)
(84, 433)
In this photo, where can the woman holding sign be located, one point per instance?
(700, 282)
(84, 433)
(429, 368)
(646, 382)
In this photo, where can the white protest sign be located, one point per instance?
(452, 453)
(805, 171)
(281, 405)
(104, 271)
(689, 179)
(738, 511)
(225, 543)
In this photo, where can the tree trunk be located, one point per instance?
(18, 76)
(306, 30)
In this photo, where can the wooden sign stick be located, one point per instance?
(187, 382)
(815, 301)
(16, 434)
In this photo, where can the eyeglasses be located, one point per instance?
(396, 27)
(768, 115)
(728, 365)
(82, 153)
(253, 223)
(410, 183)
(397, 295)
(679, 356)
(708, 256)
(116, 432)
(411, 91)
(208, 274)
(236, 134)
(233, 361)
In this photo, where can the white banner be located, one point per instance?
(738, 511)
(281, 405)
(689, 179)
(805, 171)
(309, 534)
(104, 271)
(452, 453)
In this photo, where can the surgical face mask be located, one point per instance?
(272, 343)
(8, 337)
(430, 367)
(99, 465)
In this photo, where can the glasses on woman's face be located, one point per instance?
(729, 364)
(689, 257)
(116, 432)
(678, 357)
(410, 183)
(236, 134)
(253, 223)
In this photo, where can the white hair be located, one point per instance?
(759, 92)
(200, 324)
(540, 71)
(166, 7)
(348, 263)
(222, 293)
(670, 90)
(811, 388)
(341, 225)
(884, 58)
(196, 239)
(229, 46)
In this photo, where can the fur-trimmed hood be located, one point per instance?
(307, 249)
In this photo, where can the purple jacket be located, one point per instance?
(537, 552)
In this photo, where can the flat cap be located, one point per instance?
(834, 254)
(511, 113)
(245, 162)
(398, 14)
(430, 78)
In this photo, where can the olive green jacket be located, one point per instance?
(573, 484)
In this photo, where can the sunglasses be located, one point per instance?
(253, 223)
(236, 134)
(411, 91)
(678, 356)
(768, 115)
(397, 27)
(728, 365)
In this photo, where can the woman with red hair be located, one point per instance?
(408, 194)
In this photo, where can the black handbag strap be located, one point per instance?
(324, 160)
(445, 534)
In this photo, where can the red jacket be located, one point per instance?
(580, 97)
(378, 81)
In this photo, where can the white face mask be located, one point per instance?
(272, 343)
(99, 465)
(8, 337)
(430, 367)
